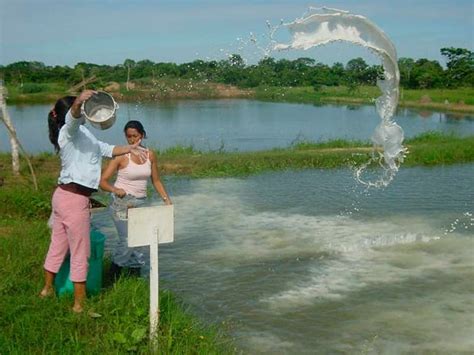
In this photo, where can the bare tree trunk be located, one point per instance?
(15, 144)
(83, 84)
(11, 129)
(128, 77)
(84, 87)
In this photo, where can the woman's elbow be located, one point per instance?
(103, 184)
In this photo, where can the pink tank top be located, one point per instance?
(133, 178)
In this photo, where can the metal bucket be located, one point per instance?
(100, 110)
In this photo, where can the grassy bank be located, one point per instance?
(425, 150)
(449, 100)
(428, 149)
(119, 322)
(30, 325)
(34, 93)
(137, 91)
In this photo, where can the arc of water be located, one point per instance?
(320, 26)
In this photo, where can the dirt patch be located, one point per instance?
(444, 107)
(344, 100)
(425, 99)
(174, 169)
(5, 231)
(112, 86)
(229, 91)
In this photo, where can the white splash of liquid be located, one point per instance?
(102, 114)
(321, 26)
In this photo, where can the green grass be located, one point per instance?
(332, 144)
(178, 88)
(326, 94)
(440, 95)
(166, 89)
(180, 150)
(32, 93)
(431, 148)
(30, 325)
(367, 95)
(427, 149)
(434, 148)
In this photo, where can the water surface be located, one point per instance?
(242, 125)
(304, 262)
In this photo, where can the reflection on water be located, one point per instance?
(236, 124)
(444, 117)
(306, 262)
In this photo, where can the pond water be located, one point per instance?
(237, 124)
(304, 262)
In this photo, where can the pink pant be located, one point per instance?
(71, 228)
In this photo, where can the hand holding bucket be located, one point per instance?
(100, 110)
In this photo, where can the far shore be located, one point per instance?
(428, 149)
(443, 100)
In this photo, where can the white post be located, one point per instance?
(11, 130)
(154, 286)
(151, 226)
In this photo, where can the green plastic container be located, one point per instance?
(63, 283)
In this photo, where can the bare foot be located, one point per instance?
(46, 292)
(77, 308)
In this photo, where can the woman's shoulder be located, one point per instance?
(120, 160)
(151, 155)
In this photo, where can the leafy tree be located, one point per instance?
(422, 73)
(267, 62)
(144, 68)
(129, 64)
(303, 63)
(426, 74)
(460, 63)
(236, 61)
(356, 71)
(405, 66)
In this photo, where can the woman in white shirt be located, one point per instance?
(81, 159)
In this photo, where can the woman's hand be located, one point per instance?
(140, 152)
(119, 192)
(76, 106)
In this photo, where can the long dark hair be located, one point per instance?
(136, 125)
(57, 118)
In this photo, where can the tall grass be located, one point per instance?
(440, 95)
(430, 148)
(367, 95)
(434, 148)
(31, 93)
(426, 149)
(30, 325)
(165, 88)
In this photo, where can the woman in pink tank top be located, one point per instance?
(128, 191)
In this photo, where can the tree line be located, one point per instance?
(414, 74)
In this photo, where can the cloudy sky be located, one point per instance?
(65, 32)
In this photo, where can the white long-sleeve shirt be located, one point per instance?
(81, 154)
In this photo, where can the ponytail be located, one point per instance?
(57, 118)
